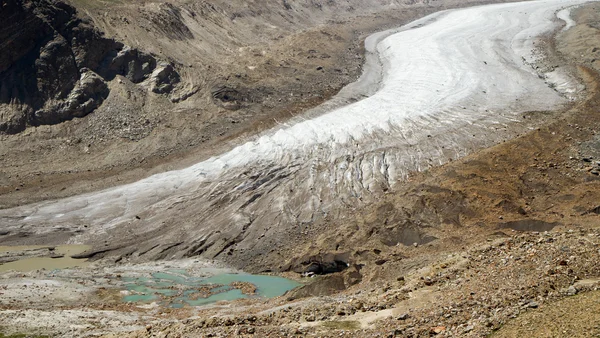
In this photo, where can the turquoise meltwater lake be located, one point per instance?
(176, 289)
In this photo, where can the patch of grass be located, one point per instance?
(573, 317)
(110, 295)
(19, 335)
(22, 335)
(342, 325)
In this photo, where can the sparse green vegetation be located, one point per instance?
(22, 335)
(342, 325)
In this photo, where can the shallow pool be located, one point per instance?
(175, 288)
(36, 263)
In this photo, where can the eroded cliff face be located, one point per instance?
(55, 65)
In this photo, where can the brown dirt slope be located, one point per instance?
(578, 316)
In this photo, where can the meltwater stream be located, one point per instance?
(443, 86)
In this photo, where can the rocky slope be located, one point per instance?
(56, 65)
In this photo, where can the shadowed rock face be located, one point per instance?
(54, 65)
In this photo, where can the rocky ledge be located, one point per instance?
(55, 65)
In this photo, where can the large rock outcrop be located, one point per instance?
(54, 65)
